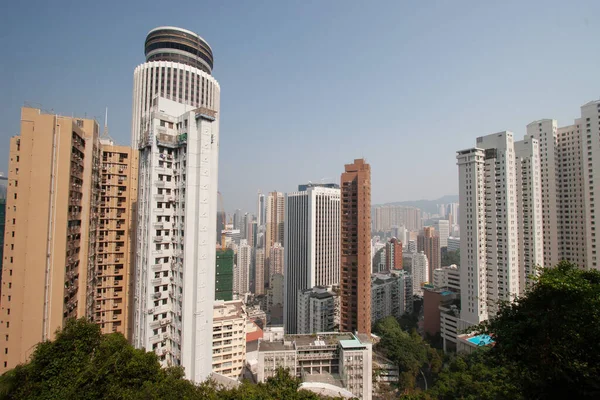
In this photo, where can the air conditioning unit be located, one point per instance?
(150, 310)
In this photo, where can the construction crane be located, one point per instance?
(224, 220)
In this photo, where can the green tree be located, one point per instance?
(551, 335)
(81, 363)
(408, 351)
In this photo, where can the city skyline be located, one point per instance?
(397, 88)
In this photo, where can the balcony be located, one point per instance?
(158, 239)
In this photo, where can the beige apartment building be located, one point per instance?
(116, 239)
(229, 338)
(49, 237)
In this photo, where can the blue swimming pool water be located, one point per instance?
(481, 340)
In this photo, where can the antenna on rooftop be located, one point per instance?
(105, 135)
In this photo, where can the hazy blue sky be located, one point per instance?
(309, 86)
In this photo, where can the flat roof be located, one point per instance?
(352, 343)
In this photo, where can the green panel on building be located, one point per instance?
(224, 275)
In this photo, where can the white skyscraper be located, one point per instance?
(442, 226)
(529, 209)
(571, 209)
(545, 131)
(312, 245)
(420, 272)
(241, 277)
(489, 245)
(590, 151)
(176, 128)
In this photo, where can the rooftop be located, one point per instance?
(295, 342)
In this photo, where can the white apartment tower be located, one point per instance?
(590, 151)
(312, 245)
(489, 246)
(176, 128)
(442, 226)
(420, 272)
(545, 131)
(529, 209)
(241, 276)
(571, 209)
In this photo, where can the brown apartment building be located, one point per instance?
(428, 242)
(116, 239)
(67, 245)
(355, 276)
(47, 239)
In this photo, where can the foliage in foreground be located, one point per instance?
(84, 364)
(546, 345)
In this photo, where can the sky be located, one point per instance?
(308, 86)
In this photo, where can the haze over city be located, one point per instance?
(308, 86)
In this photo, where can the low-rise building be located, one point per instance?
(328, 359)
(316, 310)
(391, 294)
(229, 338)
(432, 300)
(450, 325)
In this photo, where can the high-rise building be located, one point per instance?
(391, 294)
(275, 217)
(178, 67)
(221, 219)
(490, 269)
(393, 255)
(442, 227)
(420, 272)
(312, 247)
(276, 259)
(229, 338)
(259, 268)
(428, 242)
(175, 125)
(545, 131)
(3, 191)
(238, 221)
(355, 277)
(224, 275)
(571, 208)
(315, 310)
(113, 292)
(241, 279)
(261, 217)
(387, 216)
(50, 238)
(590, 151)
(529, 210)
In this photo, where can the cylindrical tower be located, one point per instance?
(178, 67)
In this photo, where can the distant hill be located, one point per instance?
(429, 206)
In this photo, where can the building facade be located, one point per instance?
(229, 338)
(420, 272)
(259, 272)
(490, 265)
(338, 359)
(391, 294)
(224, 275)
(545, 132)
(113, 297)
(355, 277)
(447, 278)
(428, 242)
(316, 310)
(312, 246)
(393, 254)
(241, 278)
(50, 232)
(175, 125)
(529, 210)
